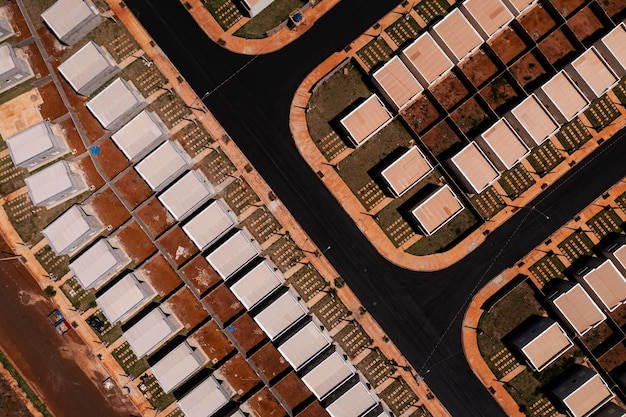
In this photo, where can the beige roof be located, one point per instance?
(588, 397)
(368, 118)
(620, 256)
(564, 95)
(534, 119)
(547, 346)
(475, 167)
(437, 209)
(594, 71)
(579, 309)
(615, 42)
(504, 143)
(425, 58)
(491, 15)
(397, 82)
(458, 34)
(607, 283)
(406, 171)
(520, 5)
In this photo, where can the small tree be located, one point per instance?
(50, 291)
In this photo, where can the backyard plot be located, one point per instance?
(528, 71)
(478, 68)
(612, 7)
(170, 109)
(261, 224)
(605, 222)
(499, 93)
(545, 158)
(77, 295)
(194, 139)
(375, 367)
(353, 339)
(573, 135)
(547, 268)
(127, 359)
(217, 167)
(151, 389)
(556, 47)
(515, 181)
(602, 112)
(307, 281)
(430, 10)
(148, 80)
(330, 311)
(421, 114)
(470, 117)
(488, 203)
(576, 245)
(11, 177)
(441, 139)
(584, 24)
(285, 253)
(109, 333)
(449, 91)
(403, 29)
(224, 11)
(507, 45)
(239, 196)
(537, 22)
(399, 396)
(375, 52)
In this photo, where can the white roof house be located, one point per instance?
(304, 345)
(232, 255)
(436, 210)
(14, 69)
(117, 104)
(205, 399)
(355, 402)
(206, 227)
(542, 343)
(613, 49)
(616, 252)
(328, 375)
(71, 20)
(502, 145)
(187, 194)
(603, 281)
(583, 392)
(474, 169)
(575, 307)
(279, 316)
(456, 36)
(406, 171)
(396, 83)
(518, 6)
(592, 74)
(98, 264)
(125, 298)
(487, 16)
(6, 31)
(54, 184)
(532, 122)
(562, 98)
(69, 232)
(37, 144)
(88, 68)
(163, 165)
(141, 135)
(256, 285)
(426, 60)
(254, 7)
(366, 120)
(178, 366)
(152, 331)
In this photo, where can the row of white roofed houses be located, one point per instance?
(98, 264)
(430, 57)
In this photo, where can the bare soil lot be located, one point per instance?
(421, 114)
(440, 138)
(527, 69)
(498, 93)
(239, 374)
(74, 142)
(246, 332)
(612, 7)
(213, 341)
(109, 209)
(155, 217)
(160, 275)
(178, 246)
(224, 304)
(136, 242)
(92, 177)
(200, 274)
(566, 7)
(449, 91)
(187, 308)
(132, 188)
(110, 158)
(584, 24)
(469, 116)
(52, 107)
(556, 46)
(269, 361)
(478, 68)
(507, 45)
(537, 22)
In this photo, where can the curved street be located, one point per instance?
(421, 312)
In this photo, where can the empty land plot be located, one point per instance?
(158, 272)
(478, 68)
(375, 52)
(155, 217)
(449, 91)
(403, 29)
(330, 311)
(284, 253)
(399, 396)
(605, 222)
(547, 268)
(537, 22)
(545, 158)
(527, 70)
(194, 139)
(584, 24)
(597, 338)
(576, 245)
(135, 242)
(132, 188)
(507, 45)
(573, 135)
(239, 196)
(441, 138)
(469, 117)
(601, 112)
(187, 308)
(445, 237)
(499, 94)
(177, 245)
(566, 7)
(556, 47)
(307, 281)
(217, 166)
(612, 7)
(261, 224)
(430, 10)
(421, 114)
(272, 16)
(516, 180)
(225, 12)
(110, 158)
(488, 203)
(614, 357)
(200, 274)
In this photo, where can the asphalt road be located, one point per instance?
(50, 362)
(421, 312)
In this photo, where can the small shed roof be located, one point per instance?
(578, 308)
(437, 209)
(53, 180)
(178, 365)
(491, 15)
(98, 264)
(534, 119)
(594, 71)
(209, 225)
(328, 375)
(204, 400)
(354, 403)
(65, 15)
(162, 165)
(475, 168)
(543, 342)
(125, 297)
(564, 95)
(39, 139)
(70, 228)
(407, 170)
(426, 59)
(232, 255)
(583, 392)
(256, 284)
(397, 83)
(85, 65)
(304, 345)
(140, 135)
(151, 331)
(367, 119)
(186, 194)
(504, 147)
(280, 315)
(605, 282)
(457, 34)
(117, 99)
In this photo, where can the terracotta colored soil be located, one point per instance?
(158, 272)
(132, 188)
(469, 116)
(527, 69)
(17, 21)
(224, 304)
(614, 357)
(537, 22)
(269, 361)
(263, 403)
(187, 308)
(37, 63)
(566, 7)
(71, 136)
(155, 217)
(246, 332)
(213, 341)
(478, 68)
(498, 93)
(200, 274)
(314, 410)
(86, 166)
(556, 46)
(52, 107)
(91, 126)
(421, 114)
(178, 246)
(239, 375)
(584, 24)
(135, 242)
(612, 7)
(440, 138)
(110, 158)
(108, 208)
(292, 391)
(507, 45)
(449, 91)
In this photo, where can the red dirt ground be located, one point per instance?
(478, 68)
(91, 175)
(314, 410)
(449, 91)
(135, 242)
(269, 361)
(614, 357)
(264, 403)
(498, 92)
(440, 138)
(537, 22)
(223, 303)
(527, 69)
(108, 208)
(247, 333)
(213, 341)
(612, 7)
(239, 375)
(421, 114)
(19, 24)
(132, 188)
(37, 63)
(556, 46)
(187, 308)
(507, 45)
(178, 246)
(566, 7)
(52, 106)
(469, 116)
(160, 275)
(584, 24)
(72, 137)
(111, 159)
(155, 217)
(292, 391)
(200, 274)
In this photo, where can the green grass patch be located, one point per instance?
(620, 91)
(239, 196)
(545, 158)
(21, 382)
(375, 52)
(77, 295)
(225, 12)
(307, 281)
(429, 10)
(601, 112)
(446, 236)
(573, 135)
(605, 222)
(157, 397)
(11, 177)
(110, 333)
(576, 245)
(403, 29)
(547, 268)
(53, 264)
(516, 180)
(272, 16)
(129, 362)
(488, 203)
